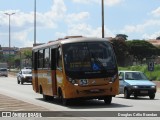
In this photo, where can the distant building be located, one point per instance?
(0, 49)
(7, 50)
(25, 48)
(154, 42)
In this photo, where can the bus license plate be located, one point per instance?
(144, 92)
(94, 90)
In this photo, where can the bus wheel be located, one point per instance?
(64, 101)
(135, 96)
(108, 100)
(46, 97)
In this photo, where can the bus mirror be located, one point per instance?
(60, 69)
(120, 78)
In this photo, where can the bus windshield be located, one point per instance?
(89, 59)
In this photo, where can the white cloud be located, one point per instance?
(77, 17)
(151, 36)
(112, 2)
(86, 30)
(156, 12)
(22, 23)
(58, 7)
(21, 38)
(106, 2)
(47, 19)
(140, 27)
(60, 35)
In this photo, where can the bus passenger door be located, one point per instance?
(59, 72)
(34, 71)
(53, 71)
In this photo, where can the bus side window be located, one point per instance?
(53, 59)
(34, 60)
(59, 57)
(41, 59)
(46, 58)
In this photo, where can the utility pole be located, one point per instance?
(9, 14)
(34, 23)
(102, 18)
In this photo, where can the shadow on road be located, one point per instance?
(138, 98)
(85, 104)
(26, 84)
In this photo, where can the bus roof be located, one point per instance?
(67, 40)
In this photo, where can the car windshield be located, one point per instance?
(3, 70)
(135, 76)
(26, 72)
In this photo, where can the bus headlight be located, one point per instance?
(113, 78)
(83, 82)
(153, 87)
(72, 80)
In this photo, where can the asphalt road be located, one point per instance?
(9, 87)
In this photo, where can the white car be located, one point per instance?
(4, 72)
(25, 75)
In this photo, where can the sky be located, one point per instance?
(139, 19)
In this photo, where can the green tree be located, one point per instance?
(121, 50)
(27, 57)
(121, 36)
(17, 60)
(1, 54)
(27, 54)
(141, 49)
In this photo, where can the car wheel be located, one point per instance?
(108, 100)
(126, 94)
(152, 96)
(18, 81)
(22, 82)
(135, 96)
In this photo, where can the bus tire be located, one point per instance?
(108, 100)
(64, 101)
(135, 96)
(46, 97)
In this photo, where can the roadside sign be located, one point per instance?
(151, 66)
